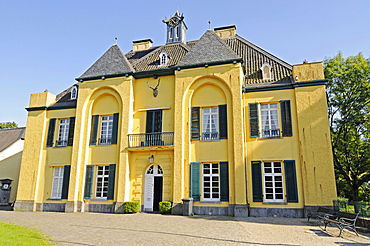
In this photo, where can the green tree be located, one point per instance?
(7, 125)
(349, 109)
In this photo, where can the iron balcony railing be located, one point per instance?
(209, 136)
(61, 143)
(271, 133)
(150, 139)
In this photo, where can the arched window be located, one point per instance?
(267, 72)
(170, 33)
(74, 93)
(163, 59)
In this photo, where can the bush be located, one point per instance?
(131, 207)
(165, 207)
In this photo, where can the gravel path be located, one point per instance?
(156, 229)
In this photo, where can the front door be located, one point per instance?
(153, 188)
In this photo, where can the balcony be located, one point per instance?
(61, 143)
(210, 136)
(150, 139)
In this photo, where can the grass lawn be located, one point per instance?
(13, 235)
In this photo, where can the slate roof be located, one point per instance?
(10, 136)
(112, 62)
(209, 49)
(63, 99)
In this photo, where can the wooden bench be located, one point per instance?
(343, 220)
(319, 213)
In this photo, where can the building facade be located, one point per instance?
(218, 119)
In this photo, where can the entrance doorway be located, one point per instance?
(153, 188)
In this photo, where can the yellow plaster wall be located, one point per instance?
(308, 72)
(315, 146)
(227, 81)
(42, 99)
(274, 149)
(10, 170)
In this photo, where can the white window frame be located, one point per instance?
(106, 130)
(163, 59)
(273, 181)
(74, 93)
(270, 74)
(102, 179)
(57, 185)
(269, 120)
(63, 133)
(211, 182)
(210, 124)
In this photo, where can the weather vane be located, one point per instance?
(116, 40)
(209, 24)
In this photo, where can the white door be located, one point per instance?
(151, 172)
(148, 195)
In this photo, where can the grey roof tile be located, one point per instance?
(209, 48)
(10, 136)
(111, 62)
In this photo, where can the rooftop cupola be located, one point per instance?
(176, 29)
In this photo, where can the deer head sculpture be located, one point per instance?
(155, 89)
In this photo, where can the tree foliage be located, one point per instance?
(7, 125)
(349, 115)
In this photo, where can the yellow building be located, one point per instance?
(218, 119)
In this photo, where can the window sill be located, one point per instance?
(57, 147)
(270, 138)
(54, 199)
(275, 203)
(205, 201)
(99, 199)
(210, 140)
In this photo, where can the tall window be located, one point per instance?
(210, 130)
(270, 120)
(63, 132)
(102, 178)
(211, 182)
(106, 130)
(56, 192)
(273, 182)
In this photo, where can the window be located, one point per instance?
(63, 132)
(106, 127)
(106, 130)
(163, 59)
(265, 121)
(213, 126)
(267, 73)
(56, 192)
(211, 182)
(74, 93)
(171, 33)
(102, 182)
(273, 182)
(60, 183)
(210, 124)
(153, 131)
(269, 120)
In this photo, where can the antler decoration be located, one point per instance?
(155, 89)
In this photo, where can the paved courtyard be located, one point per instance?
(156, 229)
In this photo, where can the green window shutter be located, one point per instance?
(257, 181)
(286, 118)
(115, 128)
(65, 185)
(253, 120)
(195, 180)
(291, 181)
(50, 139)
(222, 113)
(111, 181)
(88, 181)
(195, 123)
(224, 181)
(71, 130)
(94, 129)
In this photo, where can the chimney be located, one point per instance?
(225, 31)
(143, 44)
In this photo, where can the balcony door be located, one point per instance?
(153, 127)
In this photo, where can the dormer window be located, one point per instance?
(74, 93)
(267, 72)
(163, 59)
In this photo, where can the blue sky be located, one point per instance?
(47, 44)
